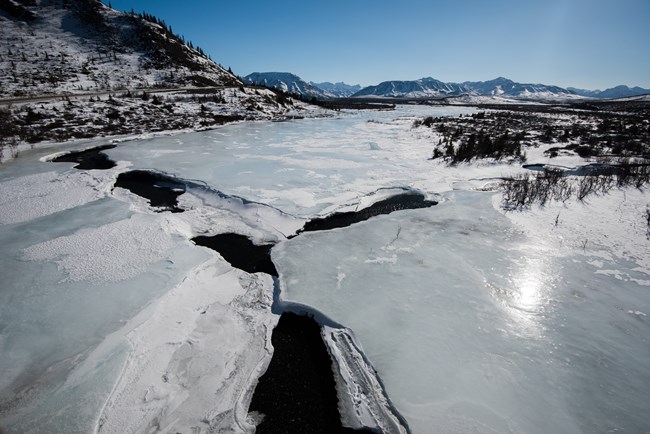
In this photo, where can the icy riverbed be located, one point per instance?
(111, 319)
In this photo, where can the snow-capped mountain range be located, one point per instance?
(503, 87)
(291, 83)
(621, 91)
(431, 88)
(339, 89)
(286, 82)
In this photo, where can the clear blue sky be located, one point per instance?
(581, 43)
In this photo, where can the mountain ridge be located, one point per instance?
(428, 87)
(339, 89)
(620, 91)
(500, 86)
(286, 82)
(291, 83)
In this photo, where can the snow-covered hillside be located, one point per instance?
(291, 83)
(505, 87)
(85, 46)
(80, 69)
(423, 88)
(141, 113)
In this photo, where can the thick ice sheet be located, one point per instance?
(81, 263)
(474, 326)
(72, 278)
(363, 402)
(303, 167)
(32, 196)
(82, 280)
(116, 251)
(196, 357)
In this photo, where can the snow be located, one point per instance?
(634, 98)
(107, 253)
(58, 54)
(72, 280)
(362, 399)
(461, 317)
(616, 226)
(196, 357)
(287, 83)
(179, 110)
(494, 90)
(28, 197)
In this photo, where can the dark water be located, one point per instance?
(386, 206)
(297, 394)
(89, 159)
(240, 252)
(161, 190)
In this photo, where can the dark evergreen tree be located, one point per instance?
(449, 151)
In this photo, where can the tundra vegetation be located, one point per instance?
(612, 138)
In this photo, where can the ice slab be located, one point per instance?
(31, 196)
(363, 402)
(116, 251)
(196, 358)
(474, 326)
(72, 278)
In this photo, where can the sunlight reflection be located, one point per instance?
(526, 292)
(529, 285)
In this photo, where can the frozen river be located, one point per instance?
(111, 319)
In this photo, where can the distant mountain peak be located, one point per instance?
(286, 82)
(338, 90)
(620, 91)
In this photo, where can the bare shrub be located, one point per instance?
(586, 185)
(632, 172)
(525, 189)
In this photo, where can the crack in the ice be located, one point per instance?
(398, 202)
(88, 159)
(241, 252)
